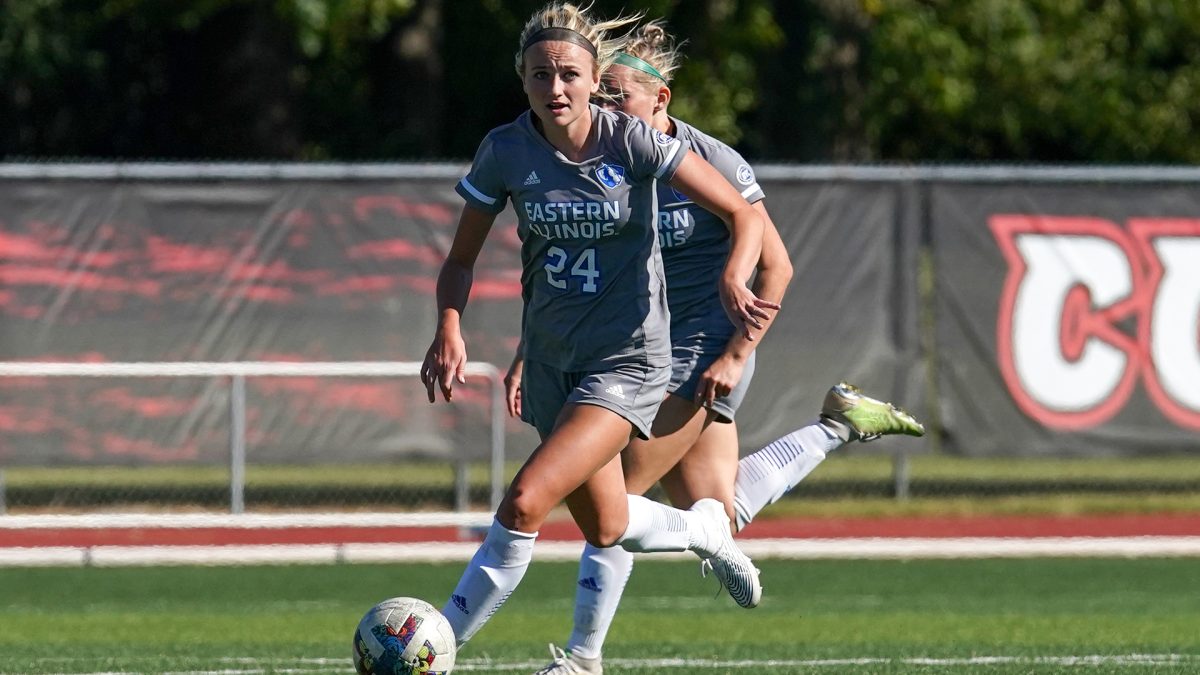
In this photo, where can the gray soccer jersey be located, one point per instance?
(592, 277)
(695, 243)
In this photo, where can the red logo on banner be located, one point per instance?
(1088, 307)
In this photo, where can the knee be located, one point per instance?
(604, 532)
(523, 510)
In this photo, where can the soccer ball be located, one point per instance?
(400, 636)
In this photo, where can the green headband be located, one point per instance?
(637, 64)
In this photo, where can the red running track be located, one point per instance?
(769, 528)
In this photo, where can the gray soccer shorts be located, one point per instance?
(633, 391)
(691, 355)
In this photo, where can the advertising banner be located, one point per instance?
(248, 269)
(851, 312)
(1068, 317)
(237, 270)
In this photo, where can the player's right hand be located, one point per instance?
(445, 362)
(719, 380)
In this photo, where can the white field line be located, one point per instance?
(789, 549)
(706, 664)
(252, 666)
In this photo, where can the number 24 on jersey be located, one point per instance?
(583, 269)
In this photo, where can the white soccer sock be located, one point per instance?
(770, 473)
(655, 527)
(603, 573)
(489, 579)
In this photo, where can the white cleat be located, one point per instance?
(568, 663)
(733, 568)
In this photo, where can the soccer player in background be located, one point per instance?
(694, 445)
(595, 323)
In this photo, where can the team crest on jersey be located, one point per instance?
(745, 175)
(662, 139)
(680, 196)
(611, 175)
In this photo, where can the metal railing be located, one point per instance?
(453, 170)
(239, 371)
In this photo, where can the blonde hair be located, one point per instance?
(571, 17)
(654, 45)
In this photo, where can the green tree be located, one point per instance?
(1046, 80)
(718, 83)
(314, 79)
(715, 86)
(224, 79)
(806, 80)
(812, 105)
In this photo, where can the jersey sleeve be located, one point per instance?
(737, 171)
(483, 186)
(651, 152)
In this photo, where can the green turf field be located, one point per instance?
(943, 617)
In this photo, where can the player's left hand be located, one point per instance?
(720, 379)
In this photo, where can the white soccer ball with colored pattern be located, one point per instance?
(400, 636)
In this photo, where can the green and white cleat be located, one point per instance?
(866, 418)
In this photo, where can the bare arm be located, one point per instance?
(446, 359)
(774, 275)
(708, 188)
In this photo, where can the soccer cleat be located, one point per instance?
(867, 418)
(566, 663)
(733, 568)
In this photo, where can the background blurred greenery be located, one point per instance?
(783, 80)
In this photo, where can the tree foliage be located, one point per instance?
(806, 80)
(1051, 80)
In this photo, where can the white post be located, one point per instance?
(498, 411)
(900, 476)
(237, 444)
(238, 371)
(462, 483)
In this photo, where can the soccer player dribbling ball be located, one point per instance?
(694, 444)
(595, 324)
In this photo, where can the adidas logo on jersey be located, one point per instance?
(616, 390)
(590, 584)
(532, 178)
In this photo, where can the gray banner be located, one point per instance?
(219, 269)
(851, 310)
(1068, 317)
(237, 270)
